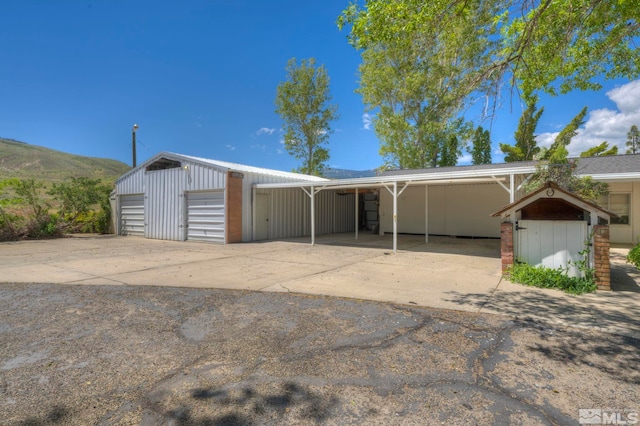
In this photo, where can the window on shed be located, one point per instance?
(619, 204)
(163, 164)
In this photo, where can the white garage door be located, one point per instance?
(205, 216)
(132, 215)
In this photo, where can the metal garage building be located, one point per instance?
(179, 197)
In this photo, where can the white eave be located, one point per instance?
(459, 176)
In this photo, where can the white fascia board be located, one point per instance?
(409, 178)
(615, 177)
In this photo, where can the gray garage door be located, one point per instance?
(205, 216)
(132, 215)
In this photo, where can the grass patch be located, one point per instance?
(540, 276)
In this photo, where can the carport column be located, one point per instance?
(313, 216)
(356, 213)
(395, 217)
(512, 189)
(426, 213)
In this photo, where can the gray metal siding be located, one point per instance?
(164, 204)
(290, 214)
(293, 201)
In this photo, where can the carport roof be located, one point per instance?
(607, 168)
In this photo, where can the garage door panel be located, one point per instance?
(206, 216)
(132, 215)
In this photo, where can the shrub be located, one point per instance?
(634, 256)
(540, 276)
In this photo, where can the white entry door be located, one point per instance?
(551, 243)
(263, 202)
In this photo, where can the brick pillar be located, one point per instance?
(506, 245)
(602, 263)
(234, 207)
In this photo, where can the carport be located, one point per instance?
(509, 178)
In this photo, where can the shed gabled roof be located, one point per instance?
(542, 193)
(226, 166)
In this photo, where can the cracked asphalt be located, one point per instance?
(105, 355)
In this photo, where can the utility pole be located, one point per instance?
(133, 143)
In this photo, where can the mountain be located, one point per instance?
(25, 161)
(331, 173)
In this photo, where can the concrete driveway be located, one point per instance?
(450, 273)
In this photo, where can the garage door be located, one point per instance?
(132, 215)
(205, 216)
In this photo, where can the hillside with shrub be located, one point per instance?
(25, 161)
(46, 193)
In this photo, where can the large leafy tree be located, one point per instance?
(415, 79)
(481, 151)
(526, 147)
(304, 103)
(424, 62)
(633, 140)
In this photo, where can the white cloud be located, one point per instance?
(279, 151)
(464, 159)
(366, 121)
(265, 131)
(281, 141)
(605, 124)
(230, 147)
(259, 147)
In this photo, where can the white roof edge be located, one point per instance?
(228, 166)
(614, 176)
(380, 180)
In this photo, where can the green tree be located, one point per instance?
(450, 152)
(412, 79)
(466, 48)
(78, 196)
(303, 103)
(558, 149)
(633, 140)
(601, 150)
(526, 147)
(481, 151)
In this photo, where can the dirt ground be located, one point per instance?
(105, 355)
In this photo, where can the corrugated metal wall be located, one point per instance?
(165, 209)
(164, 202)
(290, 213)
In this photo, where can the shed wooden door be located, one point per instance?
(551, 243)
(132, 215)
(206, 216)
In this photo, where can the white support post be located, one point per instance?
(313, 217)
(357, 205)
(426, 213)
(395, 217)
(512, 189)
(253, 214)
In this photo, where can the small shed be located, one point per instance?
(554, 228)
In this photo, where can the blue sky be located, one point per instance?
(200, 78)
